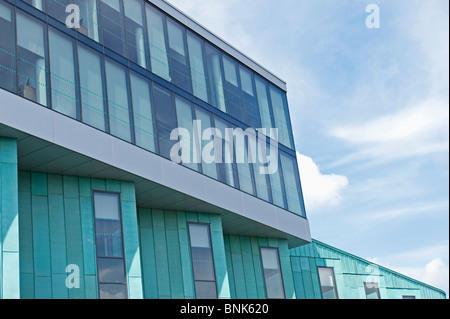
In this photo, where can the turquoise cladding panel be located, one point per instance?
(9, 220)
(350, 274)
(245, 266)
(56, 222)
(166, 256)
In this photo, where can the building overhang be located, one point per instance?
(54, 143)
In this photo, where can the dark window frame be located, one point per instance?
(377, 288)
(334, 280)
(280, 269)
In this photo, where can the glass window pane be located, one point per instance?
(112, 291)
(209, 169)
(272, 273)
(57, 9)
(144, 124)
(89, 21)
(62, 74)
(216, 84)
(7, 49)
(157, 43)
(91, 86)
(112, 25)
(244, 167)
(372, 290)
(327, 283)
(107, 206)
(277, 188)
(108, 238)
(31, 59)
(178, 57)
(197, 65)
(280, 114)
(251, 110)
(118, 103)
(264, 106)
(199, 235)
(185, 121)
(166, 119)
(235, 105)
(38, 4)
(205, 290)
(110, 270)
(292, 183)
(136, 32)
(226, 174)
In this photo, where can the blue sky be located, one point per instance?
(370, 112)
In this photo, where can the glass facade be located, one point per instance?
(137, 74)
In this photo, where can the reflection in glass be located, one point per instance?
(272, 273)
(7, 49)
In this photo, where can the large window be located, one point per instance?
(62, 74)
(118, 101)
(7, 48)
(372, 290)
(185, 119)
(273, 277)
(31, 53)
(89, 21)
(202, 261)
(157, 42)
(198, 73)
(181, 76)
(112, 25)
(91, 87)
(292, 183)
(327, 283)
(264, 104)
(281, 116)
(111, 270)
(136, 32)
(209, 168)
(166, 119)
(251, 111)
(215, 77)
(235, 105)
(144, 124)
(57, 9)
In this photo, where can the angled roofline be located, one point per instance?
(195, 26)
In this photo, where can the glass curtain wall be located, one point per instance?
(197, 66)
(7, 48)
(89, 19)
(181, 75)
(215, 77)
(136, 33)
(113, 25)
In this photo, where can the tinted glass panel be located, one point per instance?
(112, 25)
(91, 87)
(235, 105)
(110, 270)
(292, 183)
(7, 48)
(251, 111)
(197, 66)
(185, 118)
(205, 290)
(264, 105)
(31, 59)
(372, 290)
(113, 291)
(166, 119)
(216, 85)
(144, 124)
(136, 32)
(209, 169)
(118, 101)
(57, 9)
(226, 172)
(89, 22)
(327, 283)
(281, 117)
(178, 56)
(272, 273)
(62, 74)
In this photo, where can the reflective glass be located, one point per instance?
(264, 105)
(281, 117)
(57, 9)
(205, 290)
(110, 270)
(31, 59)
(372, 290)
(216, 84)
(112, 25)
(197, 66)
(7, 48)
(136, 32)
(89, 21)
(144, 124)
(185, 118)
(166, 119)
(38, 4)
(292, 183)
(277, 188)
(118, 101)
(327, 283)
(157, 42)
(226, 172)
(209, 169)
(234, 98)
(91, 87)
(272, 273)
(251, 111)
(62, 74)
(112, 291)
(178, 56)
(244, 167)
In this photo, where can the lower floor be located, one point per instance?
(78, 237)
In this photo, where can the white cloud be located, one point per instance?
(319, 190)
(417, 130)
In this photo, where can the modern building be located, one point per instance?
(92, 204)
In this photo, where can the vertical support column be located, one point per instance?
(9, 220)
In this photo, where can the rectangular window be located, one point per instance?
(251, 111)
(136, 33)
(202, 261)
(327, 283)
(91, 87)
(408, 297)
(118, 101)
(111, 270)
(372, 290)
(181, 76)
(292, 184)
(31, 57)
(57, 9)
(235, 106)
(144, 123)
(38, 4)
(89, 21)
(209, 169)
(185, 118)
(157, 42)
(197, 65)
(244, 166)
(281, 116)
(264, 105)
(277, 188)
(216, 84)
(7, 48)
(166, 119)
(62, 74)
(273, 277)
(112, 25)
(226, 171)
